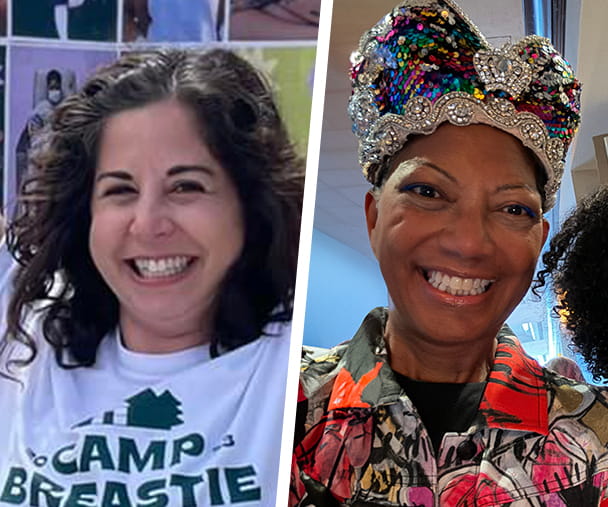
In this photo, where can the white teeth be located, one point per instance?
(456, 285)
(158, 268)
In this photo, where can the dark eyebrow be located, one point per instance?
(121, 175)
(439, 170)
(173, 171)
(501, 188)
(180, 169)
(516, 186)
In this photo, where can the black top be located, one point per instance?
(443, 407)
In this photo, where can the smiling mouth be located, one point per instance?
(457, 286)
(163, 267)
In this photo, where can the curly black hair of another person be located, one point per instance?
(239, 122)
(577, 263)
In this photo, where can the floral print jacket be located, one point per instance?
(538, 439)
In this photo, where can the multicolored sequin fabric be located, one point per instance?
(426, 63)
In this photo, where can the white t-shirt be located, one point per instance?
(136, 429)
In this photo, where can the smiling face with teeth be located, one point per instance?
(166, 225)
(457, 229)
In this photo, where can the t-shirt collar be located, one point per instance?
(515, 397)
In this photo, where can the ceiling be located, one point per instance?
(341, 186)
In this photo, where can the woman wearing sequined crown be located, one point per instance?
(433, 401)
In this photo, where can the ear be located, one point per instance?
(545, 230)
(371, 216)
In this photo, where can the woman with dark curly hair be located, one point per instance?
(147, 333)
(577, 265)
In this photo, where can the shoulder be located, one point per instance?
(8, 269)
(276, 336)
(577, 407)
(277, 329)
(271, 348)
(320, 366)
(357, 357)
(32, 316)
(319, 369)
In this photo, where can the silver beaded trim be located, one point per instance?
(503, 69)
(382, 137)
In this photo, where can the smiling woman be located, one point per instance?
(167, 226)
(487, 232)
(433, 401)
(148, 315)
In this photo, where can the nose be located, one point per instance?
(151, 218)
(467, 234)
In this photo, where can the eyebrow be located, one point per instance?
(121, 175)
(501, 188)
(440, 170)
(421, 162)
(518, 186)
(180, 169)
(173, 171)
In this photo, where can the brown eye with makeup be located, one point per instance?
(422, 190)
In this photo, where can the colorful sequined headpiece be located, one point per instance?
(425, 63)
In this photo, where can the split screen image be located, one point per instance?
(302, 252)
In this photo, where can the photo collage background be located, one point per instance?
(49, 47)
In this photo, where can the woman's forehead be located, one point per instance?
(451, 147)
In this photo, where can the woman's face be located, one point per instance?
(457, 232)
(167, 222)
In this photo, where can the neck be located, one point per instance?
(163, 338)
(429, 361)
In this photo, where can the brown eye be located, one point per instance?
(118, 190)
(421, 190)
(519, 210)
(183, 187)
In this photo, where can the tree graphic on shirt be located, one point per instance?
(149, 410)
(145, 409)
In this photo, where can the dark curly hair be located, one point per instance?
(577, 264)
(240, 124)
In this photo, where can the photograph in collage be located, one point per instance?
(2, 130)
(91, 20)
(36, 18)
(274, 19)
(158, 21)
(3, 17)
(291, 72)
(40, 80)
